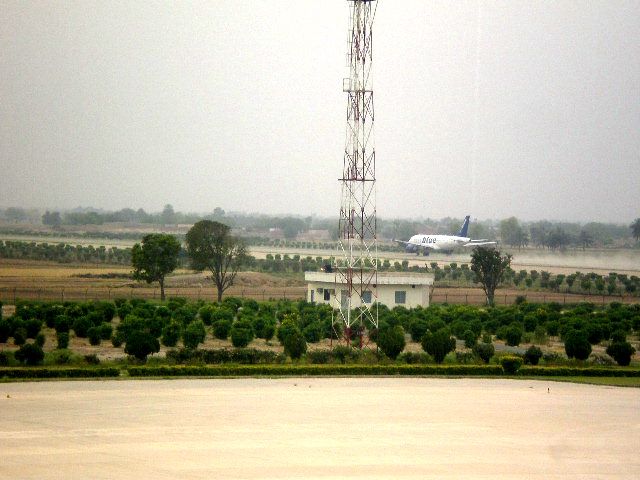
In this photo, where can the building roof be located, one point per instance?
(384, 278)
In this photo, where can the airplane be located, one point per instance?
(443, 243)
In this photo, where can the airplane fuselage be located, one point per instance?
(438, 242)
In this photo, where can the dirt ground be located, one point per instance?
(318, 428)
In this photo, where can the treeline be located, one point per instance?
(453, 274)
(447, 334)
(510, 231)
(561, 235)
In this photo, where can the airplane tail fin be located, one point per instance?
(465, 227)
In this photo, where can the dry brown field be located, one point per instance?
(38, 280)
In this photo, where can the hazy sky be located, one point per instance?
(491, 109)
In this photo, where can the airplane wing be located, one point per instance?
(401, 242)
(479, 243)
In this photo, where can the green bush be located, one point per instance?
(313, 332)
(81, 326)
(5, 331)
(438, 344)
(621, 352)
(92, 359)
(295, 345)
(141, 344)
(19, 336)
(62, 323)
(33, 327)
(206, 314)
(411, 358)
(484, 351)
(510, 364)
(62, 339)
(106, 330)
(58, 372)
(470, 338)
(40, 339)
(30, 354)
(194, 334)
(221, 329)
(619, 336)
(391, 341)
(93, 334)
(241, 333)
(171, 334)
(117, 339)
(576, 345)
(532, 355)
(513, 335)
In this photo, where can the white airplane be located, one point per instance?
(443, 243)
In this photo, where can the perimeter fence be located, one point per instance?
(439, 295)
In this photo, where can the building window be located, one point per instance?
(366, 296)
(327, 294)
(401, 297)
(313, 296)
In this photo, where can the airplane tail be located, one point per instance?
(465, 227)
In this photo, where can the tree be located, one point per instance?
(621, 352)
(511, 232)
(155, 258)
(391, 341)
(484, 350)
(576, 345)
(585, 239)
(30, 353)
(211, 247)
(168, 216)
(140, 344)
(635, 229)
(194, 334)
(489, 268)
(295, 345)
(52, 219)
(438, 344)
(533, 355)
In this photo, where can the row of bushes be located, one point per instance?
(39, 372)
(371, 370)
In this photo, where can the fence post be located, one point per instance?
(466, 299)
(263, 295)
(62, 294)
(130, 293)
(446, 297)
(14, 295)
(505, 299)
(109, 295)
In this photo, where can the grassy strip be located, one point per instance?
(578, 372)
(611, 381)
(36, 372)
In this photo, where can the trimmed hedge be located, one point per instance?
(314, 370)
(59, 372)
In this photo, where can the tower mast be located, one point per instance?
(356, 262)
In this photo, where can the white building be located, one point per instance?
(406, 289)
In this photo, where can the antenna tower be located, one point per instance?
(356, 262)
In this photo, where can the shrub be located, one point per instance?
(414, 357)
(194, 334)
(5, 331)
(470, 338)
(30, 354)
(63, 340)
(576, 345)
(241, 333)
(33, 327)
(117, 339)
(513, 335)
(171, 334)
(81, 326)
(62, 323)
(532, 355)
(206, 314)
(484, 351)
(19, 336)
(294, 345)
(346, 354)
(486, 338)
(221, 329)
(391, 341)
(313, 332)
(106, 330)
(289, 325)
(510, 364)
(621, 352)
(619, 336)
(417, 329)
(319, 356)
(92, 359)
(40, 339)
(140, 344)
(438, 344)
(94, 336)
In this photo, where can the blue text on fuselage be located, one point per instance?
(428, 240)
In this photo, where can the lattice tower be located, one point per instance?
(356, 262)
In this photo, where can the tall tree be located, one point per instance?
(168, 215)
(155, 258)
(635, 229)
(489, 267)
(211, 247)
